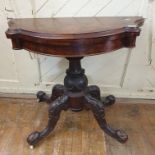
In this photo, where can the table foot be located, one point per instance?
(98, 110)
(43, 97)
(54, 112)
(57, 91)
(108, 100)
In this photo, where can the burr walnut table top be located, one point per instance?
(74, 37)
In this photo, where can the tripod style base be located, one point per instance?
(75, 94)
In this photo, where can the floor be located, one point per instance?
(138, 120)
(76, 133)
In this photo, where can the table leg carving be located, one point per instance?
(94, 91)
(98, 110)
(57, 91)
(108, 100)
(54, 113)
(43, 97)
(74, 94)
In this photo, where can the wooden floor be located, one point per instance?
(76, 133)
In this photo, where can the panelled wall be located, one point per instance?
(125, 73)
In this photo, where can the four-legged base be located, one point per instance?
(75, 94)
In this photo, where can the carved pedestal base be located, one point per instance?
(75, 94)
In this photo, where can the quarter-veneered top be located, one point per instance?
(72, 36)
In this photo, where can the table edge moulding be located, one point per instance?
(80, 39)
(73, 39)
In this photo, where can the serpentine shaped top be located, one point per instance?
(74, 37)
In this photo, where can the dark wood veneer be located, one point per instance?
(74, 37)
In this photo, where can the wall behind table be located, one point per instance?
(125, 73)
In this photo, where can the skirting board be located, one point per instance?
(118, 92)
(118, 100)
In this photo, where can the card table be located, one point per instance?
(74, 39)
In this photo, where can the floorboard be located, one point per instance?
(76, 133)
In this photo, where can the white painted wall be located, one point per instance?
(131, 73)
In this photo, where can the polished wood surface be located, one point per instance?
(73, 135)
(73, 28)
(74, 37)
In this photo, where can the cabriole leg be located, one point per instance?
(54, 112)
(98, 110)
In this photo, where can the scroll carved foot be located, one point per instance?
(108, 101)
(54, 112)
(57, 91)
(43, 97)
(98, 110)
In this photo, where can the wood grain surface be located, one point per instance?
(74, 37)
(73, 134)
(71, 27)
